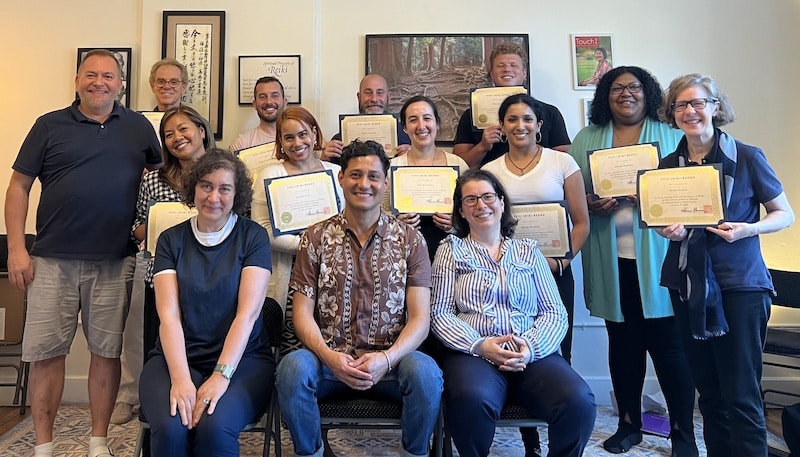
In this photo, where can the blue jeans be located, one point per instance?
(727, 373)
(302, 379)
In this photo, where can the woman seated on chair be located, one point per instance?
(496, 307)
(212, 372)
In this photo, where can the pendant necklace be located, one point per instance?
(522, 169)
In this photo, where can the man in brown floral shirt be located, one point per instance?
(367, 277)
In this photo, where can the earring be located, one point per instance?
(539, 136)
(503, 138)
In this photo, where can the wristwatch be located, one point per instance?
(225, 370)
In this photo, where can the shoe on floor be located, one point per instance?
(623, 440)
(122, 414)
(110, 453)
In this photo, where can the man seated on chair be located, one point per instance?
(366, 276)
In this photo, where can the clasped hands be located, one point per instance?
(502, 351)
(190, 402)
(359, 374)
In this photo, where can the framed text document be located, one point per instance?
(614, 170)
(258, 158)
(547, 223)
(298, 201)
(692, 196)
(155, 119)
(377, 127)
(486, 102)
(161, 216)
(423, 190)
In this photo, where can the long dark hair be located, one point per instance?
(507, 222)
(171, 172)
(601, 110)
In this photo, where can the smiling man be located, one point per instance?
(508, 63)
(89, 158)
(367, 277)
(269, 102)
(168, 81)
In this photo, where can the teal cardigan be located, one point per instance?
(600, 269)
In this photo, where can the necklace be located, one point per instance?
(414, 162)
(522, 169)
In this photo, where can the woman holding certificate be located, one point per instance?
(298, 141)
(622, 262)
(211, 370)
(496, 308)
(723, 317)
(531, 174)
(420, 120)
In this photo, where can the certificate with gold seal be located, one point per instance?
(161, 216)
(377, 127)
(692, 196)
(486, 102)
(298, 201)
(155, 119)
(547, 223)
(257, 158)
(614, 170)
(423, 190)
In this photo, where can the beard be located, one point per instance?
(269, 118)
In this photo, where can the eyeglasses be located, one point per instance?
(471, 200)
(171, 83)
(633, 88)
(697, 104)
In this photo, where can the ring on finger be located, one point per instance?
(206, 401)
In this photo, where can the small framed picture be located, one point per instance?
(123, 55)
(285, 68)
(587, 110)
(592, 57)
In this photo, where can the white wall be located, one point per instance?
(749, 46)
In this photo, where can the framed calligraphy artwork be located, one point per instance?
(197, 39)
(285, 68)
(123, 56)
(443, 67)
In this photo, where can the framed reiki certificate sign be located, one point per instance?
(692, 196)
(423, 190)
(547, 223)
(298, 201)
(161, 216)
(614, 170)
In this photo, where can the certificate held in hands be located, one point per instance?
(161, 216)
(486, 102)
(298, 201)
(547, 223)
(258, 158)
(692, 196)
(381, 128)
(423, 190)
(614, 170)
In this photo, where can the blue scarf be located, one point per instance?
(698, 285)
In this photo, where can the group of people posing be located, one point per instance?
(445, 310)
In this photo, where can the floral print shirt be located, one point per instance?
(360, 290)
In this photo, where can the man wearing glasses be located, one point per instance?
(168, 81)
(269, 102)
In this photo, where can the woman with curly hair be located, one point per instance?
(622, 266)
(210, 372)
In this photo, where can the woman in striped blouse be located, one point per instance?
(496, 308)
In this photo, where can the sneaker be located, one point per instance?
(110, 453)
(122, 414)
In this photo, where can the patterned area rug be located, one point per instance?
(72, 429)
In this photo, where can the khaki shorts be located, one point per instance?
(62, 288)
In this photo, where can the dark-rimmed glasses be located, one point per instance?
(472, 200)
(633, 88)
(697, 104)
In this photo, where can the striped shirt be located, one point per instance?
(475, 297)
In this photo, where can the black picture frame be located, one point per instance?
(187, 36)
(124, 55)
(444, 67)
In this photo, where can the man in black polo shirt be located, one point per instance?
(89, 158)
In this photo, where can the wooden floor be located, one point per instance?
(10, 417)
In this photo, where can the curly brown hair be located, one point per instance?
(219, 159)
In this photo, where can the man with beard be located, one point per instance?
(269, 101)
(373, 98)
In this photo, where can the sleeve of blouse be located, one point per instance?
(550, 323)
(452, 331)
